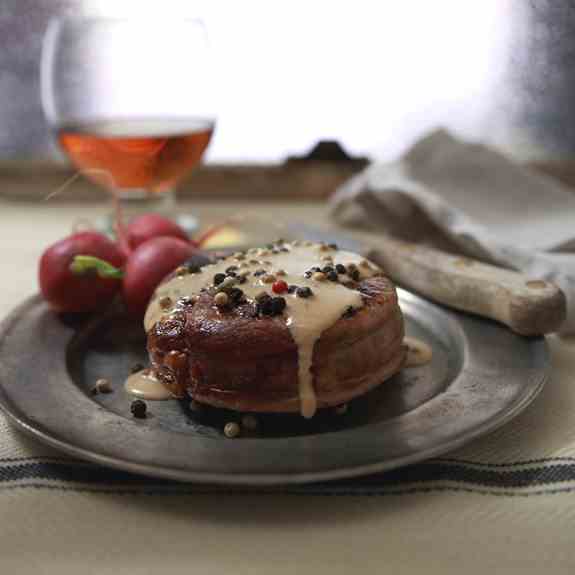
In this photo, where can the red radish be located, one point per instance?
(148, 226)
(148, 265)
(66, 291)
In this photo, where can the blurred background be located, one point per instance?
(373, 75)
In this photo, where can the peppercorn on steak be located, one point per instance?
(295, 326)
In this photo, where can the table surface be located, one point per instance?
(438, 532)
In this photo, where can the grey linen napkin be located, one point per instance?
(471, 199)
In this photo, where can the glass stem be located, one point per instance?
(137, 202)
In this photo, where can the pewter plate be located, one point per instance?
(481, 376)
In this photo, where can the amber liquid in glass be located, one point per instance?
(151, 155)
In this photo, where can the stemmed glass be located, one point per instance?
(130, 101)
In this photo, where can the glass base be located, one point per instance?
(137, 202)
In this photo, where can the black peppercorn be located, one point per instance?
(259, 273)
(340, 269)
(265, 306)
(236, 295)
(304, 292)
(262, 295)
(270, 306)
(332, 276)
(242, 279)
(195, 263)
(349, 312)
(278, 304)
(354, 274)
(316, 269)
(327, 269)
(219, 278)
(292, 288)
(138, 409)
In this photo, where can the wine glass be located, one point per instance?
(130, 102)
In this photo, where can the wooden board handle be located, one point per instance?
(527, 306)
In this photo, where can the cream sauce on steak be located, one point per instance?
(418, 352)
(143, 384)
(306, 318)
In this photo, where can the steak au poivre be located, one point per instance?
(295, 326)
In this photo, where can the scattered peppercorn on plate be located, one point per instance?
(466, 376)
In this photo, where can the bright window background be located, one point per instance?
(374, 75)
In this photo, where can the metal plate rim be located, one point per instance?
(26, 424)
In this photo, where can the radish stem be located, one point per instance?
(82, 265)
(119, 225)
